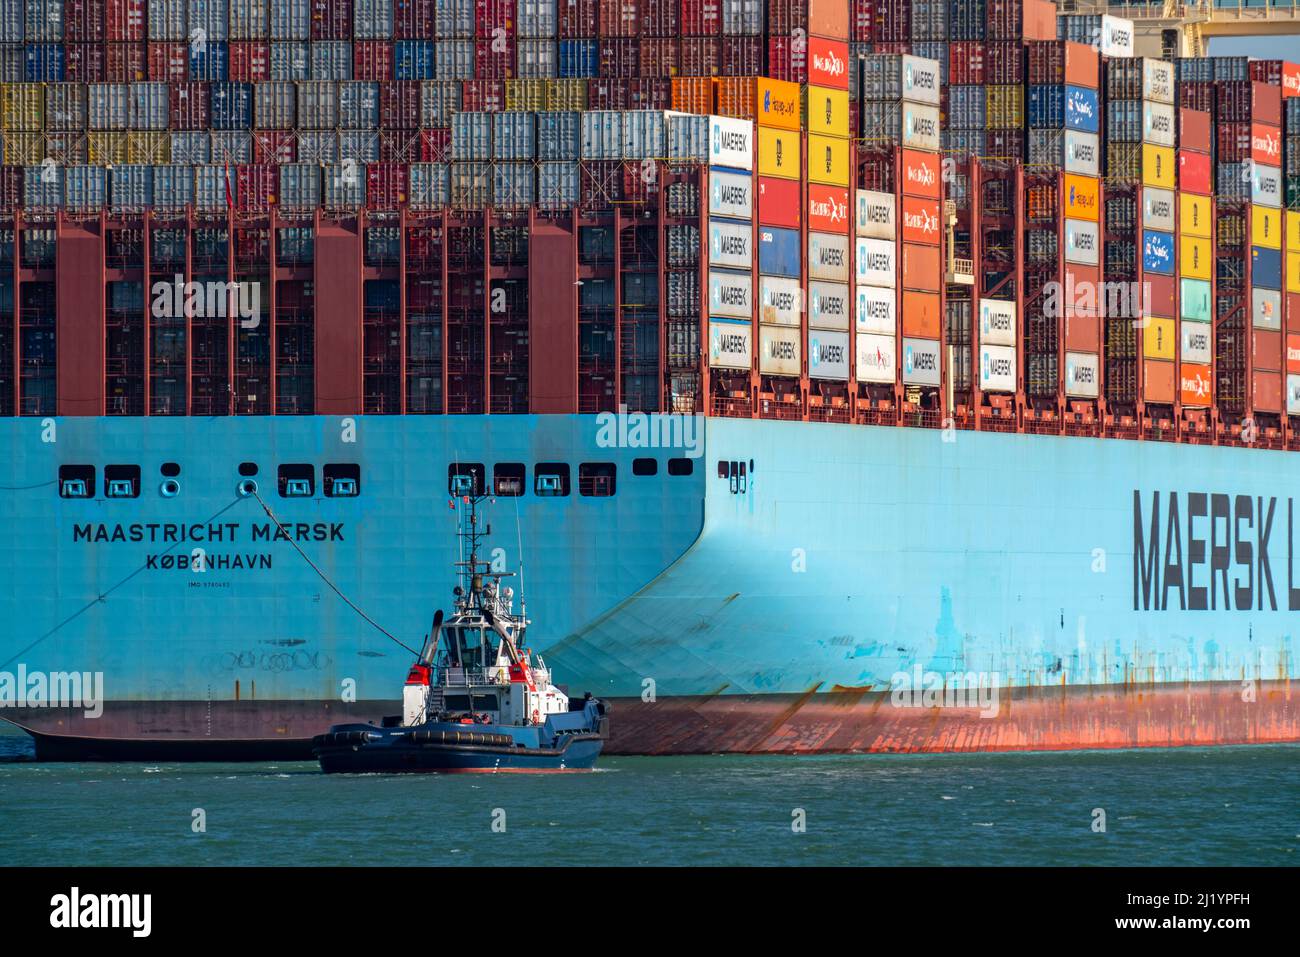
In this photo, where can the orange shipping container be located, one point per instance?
(1082, 291)
(735, 97)
(1158, 381)
(828, 208)
(921, 174)
(1040, 20)
(1082, 333)
(777, 103)
(829, 18)
(1266, 391)
(1290, 80)
(828, 63)
(1082, 197)
(692, 94)
(921, 267)
(1196, 385)
(920, 220)
(921, 314)
(1266, 349)
(1081, 65)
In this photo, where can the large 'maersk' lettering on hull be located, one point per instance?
(1185, 550)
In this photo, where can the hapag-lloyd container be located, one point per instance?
(875, 309)
(828, 305)
(876, 358)
(876, 262)
(875, 214)
(779, 350)
(731, 344)
(780, 301)
(731, 294)
(828, 257)
(828, 354)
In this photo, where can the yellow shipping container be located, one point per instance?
(107, 147)
(24, 149)
(22, 106)
(1293, 272)
(149, 147)
(828, 160)
(1293, 230)
(828, 111)
(1266, 227)
(1158, 338)
(1194, 216)
(526, 96)
(1158, 166)
(778, 153)
(1004, 107)
(1195, 258)
(777, 103)
(566, 94)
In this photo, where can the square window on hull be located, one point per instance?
(342, 481)
(122, 481)
(551, 479)
(297, 481)
(508, 478)
(465, 478)
(597, 479)
(76, 481)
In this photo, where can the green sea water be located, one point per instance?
(1195, 806)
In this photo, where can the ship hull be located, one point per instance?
(1058, 582)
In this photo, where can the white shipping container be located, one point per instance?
(85, 187)
(921, 80)
(290, 20)
(43, 185)
(557, 185)
(331, 60)
(1266, 185)
(643, 134)
(131, 187)
(514, 136)
(344, 185)
(65, 107)
(1157, 80)
(780, 301)
(318, 105)
(876, 358)
(876, 309)
(536, 19)
(168, 20)
(1266, 308)
(173, 186)
(742, 18)
(299, 185)
(471, 136)
(439, 101)
(920, 127)
(602, 134)
(275, 105)
(997, 368)
(429, 185)
(290, 60)
(231, 146)
(1082, 376)
(1293, 394)
(455, 18)
(44, 21)
(876, 214)
(1082, 153)
(108, 106)
(731, 194)
(778, 350)
(1116, 40)
(535, 59)
(688, 136)
(921, 361)
(191, 148)
(1158, 209)
(1082, 242)
(318, 146)
(731, 344)
(513, 184)
(359, 145)
(210, 185)
(150, 106)
(358, 105)
(876, 262)
(454, 59)
(731, 243)
(731, 142)
(828, 256)
(997, 322)
(206, 20)
(731, 294)
(372, 19)
(249, 20)
(558, 136)
(829, 308)
(828, 355)
(1158, 124)
(1196, 343)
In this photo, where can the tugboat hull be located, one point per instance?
(368, 750)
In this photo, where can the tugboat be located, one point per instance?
(475, 699)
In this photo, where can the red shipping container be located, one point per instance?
(1266, 391)
(701, 18)
(618, 18)
(893, 46)
(661, 18)
(600, 184)
(189, 106)
(1265, 144)
(787, 60)
(386, 184)
(787, 16)
(741, 56)
(862, 16)
(577, 19)
(1005, 20)
(1158, 385)
(83, 63)
(255, 186)
(828, 18)
(648, 93)
(658, 56)
(11, 186)
(483, 96)
(399, 105)
(1194, 130)
(1290, 80)
(619, 58)
(169, 62)
(605, 93)
(494, 19)
(1196, 96)
(399, 146)
(415, 19)
(494, 59)
(891, 22)
(83, 21)
(1266, 349)
(124, 21)
(275, 146)
(966, 63)
(1004, 64)
(1266, 71)
(125, 62)
(1164, 294)
(1006, 143)
(331, 19)
(699, 56)
(828, 63)
(1060, 61)
(250, 61)
(371, 60)
(435, 145)
(778, 202)
(1080, 285)
(640, 182)
(1194, 172)
(1241, 101)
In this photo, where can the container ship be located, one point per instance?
(825, 362)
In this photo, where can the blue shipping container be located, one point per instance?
(579, 58)
(1158, 252)
(414, 60)
(778, 252)
(1081, 109)
(44, 63)
(210, 61)
(1265, 267)
(231, 106)
(1047, 107)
